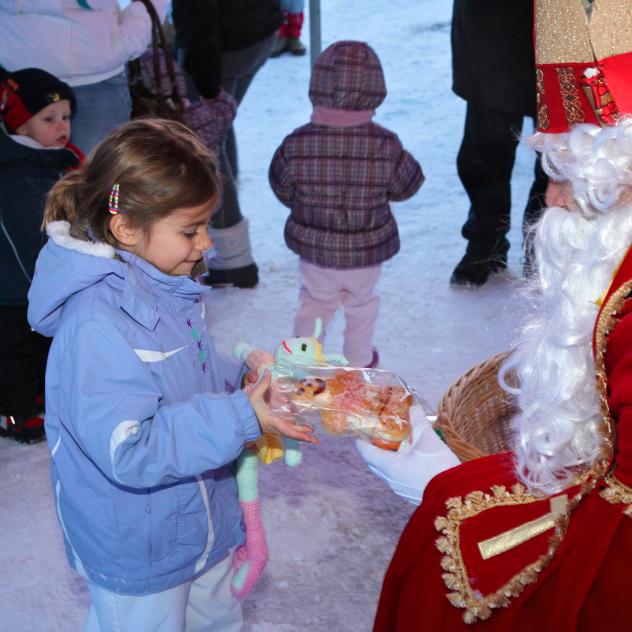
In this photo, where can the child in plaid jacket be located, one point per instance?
(337, 174)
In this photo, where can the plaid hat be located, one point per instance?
(24, 93)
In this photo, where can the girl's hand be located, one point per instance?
(259, 397)
(250, 380)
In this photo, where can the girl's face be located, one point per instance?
(50, 127)
(175, 243)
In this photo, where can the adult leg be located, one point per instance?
(232, 263)
(157, 612)
(360, 305)
(101, 107)
(212, 607)
(319, 297)
(238, 70)
(484, 163)
(532, 213)
(23, 355)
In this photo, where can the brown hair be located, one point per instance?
(159, 165)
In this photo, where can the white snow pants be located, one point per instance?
(203, 605)
(324, 290)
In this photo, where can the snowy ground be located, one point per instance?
(331, 525)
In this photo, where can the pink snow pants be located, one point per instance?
(324, 290)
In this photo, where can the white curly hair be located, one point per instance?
(556, 429)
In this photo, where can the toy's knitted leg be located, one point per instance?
(293, 454)
(250, 558)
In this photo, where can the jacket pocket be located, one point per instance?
(194, 533)
(162, 513)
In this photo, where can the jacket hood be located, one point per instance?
(11, 151)
(66, 266)
(347, 76)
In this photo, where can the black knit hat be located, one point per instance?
(24, 93)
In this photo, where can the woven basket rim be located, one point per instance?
(457, 402)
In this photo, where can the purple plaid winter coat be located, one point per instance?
(338, 179)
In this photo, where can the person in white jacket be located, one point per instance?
(87, 44)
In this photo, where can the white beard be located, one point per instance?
(557, 427)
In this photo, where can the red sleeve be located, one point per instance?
(619, 372)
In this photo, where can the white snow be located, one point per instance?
(331, 525)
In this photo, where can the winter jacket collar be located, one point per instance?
(12, 149)
(67, 265)
(333, 117)
(145, 285)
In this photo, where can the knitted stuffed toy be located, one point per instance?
(290, 358)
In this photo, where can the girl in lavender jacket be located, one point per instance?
(337, 174)
(143, 419)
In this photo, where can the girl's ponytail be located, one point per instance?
(63, 203)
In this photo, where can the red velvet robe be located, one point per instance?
(585, 585)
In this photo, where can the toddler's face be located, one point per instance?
(50, 127)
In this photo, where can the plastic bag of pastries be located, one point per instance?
(368, 403)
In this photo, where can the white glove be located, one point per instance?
(409, 470)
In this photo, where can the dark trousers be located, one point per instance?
(484, 163)
(23, 355)
(238, 70)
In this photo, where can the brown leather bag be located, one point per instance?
(158, 88)
(163, 94)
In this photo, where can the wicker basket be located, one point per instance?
(474, 414)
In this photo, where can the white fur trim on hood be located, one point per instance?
(59, 232)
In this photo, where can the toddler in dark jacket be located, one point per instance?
(35, 151)
(338, 174)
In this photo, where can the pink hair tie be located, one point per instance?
(113, 203)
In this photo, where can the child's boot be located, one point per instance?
(25, 428)
(280, 46)
(296, 47)
(294, 24)
(232, 264)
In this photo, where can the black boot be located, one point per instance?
(473, 272)
(246, 277)
(232, 265)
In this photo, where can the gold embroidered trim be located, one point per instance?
(519, 535)
(570, 95)
(606, 322)
(542, 111)
(456, 579)
(617, 492)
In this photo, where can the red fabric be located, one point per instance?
(552, 97)
(12, 109)
(583, 588)
(586, 585)
(292, 26)
(617, 71)
(75, 150)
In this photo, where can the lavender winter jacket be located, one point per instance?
(338, 179)
(141, 428)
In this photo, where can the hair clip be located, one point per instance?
(113, 203)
